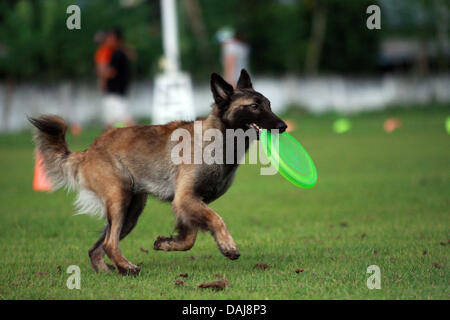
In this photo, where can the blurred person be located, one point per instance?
(235, 57)
(115, 78)
(235, 54)
(102, 58)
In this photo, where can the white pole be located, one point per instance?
(170, 35)
(172, 97)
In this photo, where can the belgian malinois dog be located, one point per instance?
(123, 166)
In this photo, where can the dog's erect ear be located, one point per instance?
(244, 81)
(222, 90)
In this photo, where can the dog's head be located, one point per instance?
(243, 107)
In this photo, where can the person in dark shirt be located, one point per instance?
(121, 79)
(116, 76)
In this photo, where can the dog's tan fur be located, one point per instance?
(122, 166)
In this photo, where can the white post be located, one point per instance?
(170, 35)
(173, 98)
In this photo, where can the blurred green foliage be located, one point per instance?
(279, 32)
(35, 43)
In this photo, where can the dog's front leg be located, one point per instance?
(182, 242)
(193, 212)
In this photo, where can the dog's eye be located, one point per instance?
(254, 106)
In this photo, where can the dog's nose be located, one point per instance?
(281, 126)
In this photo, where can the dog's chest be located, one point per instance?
(212, 181)
(162, 189)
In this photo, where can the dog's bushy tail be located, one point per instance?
(60, 164)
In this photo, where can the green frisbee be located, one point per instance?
(290, 158)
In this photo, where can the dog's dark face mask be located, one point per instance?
(243, 107)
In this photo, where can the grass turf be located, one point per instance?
(380, 199)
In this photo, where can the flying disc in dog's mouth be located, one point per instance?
(290, 158)
(257, 128)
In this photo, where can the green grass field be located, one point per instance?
(381, 199)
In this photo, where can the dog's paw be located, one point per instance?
(103, 267)
(129, 270)
(162, 243)
(230, 253)
(98, 263)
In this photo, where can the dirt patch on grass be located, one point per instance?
(216, 285)
(179, 282)
(183, 275)
(437, 265)
(261, 266)
(144, 250)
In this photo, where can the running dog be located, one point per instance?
(123, 166)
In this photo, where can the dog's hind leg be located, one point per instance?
(97, 254)
(135, 209)
(117, 203)
(182, 242)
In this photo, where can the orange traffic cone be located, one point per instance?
(76, 129)
(40, 181)
(391, 124)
